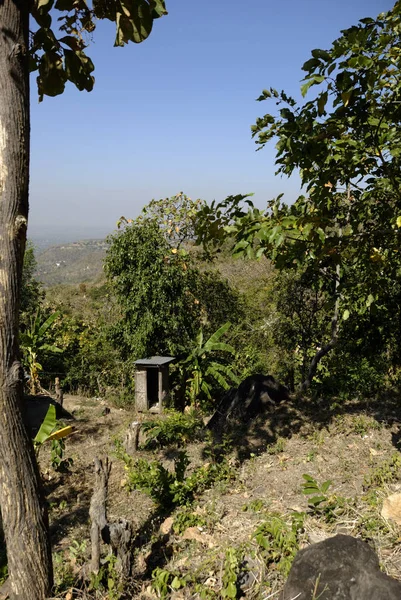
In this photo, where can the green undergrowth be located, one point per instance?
(266, 557)
(173, 488)
(177, 429)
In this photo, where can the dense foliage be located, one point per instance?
(342, 237)
(334, 279)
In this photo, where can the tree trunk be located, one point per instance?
(24, 516)
(131, 441)
(118, 534)
(334, 321)
(97, 510)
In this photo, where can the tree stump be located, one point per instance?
(132, 438)
(118, 534)
(59, 391)
(97, 510)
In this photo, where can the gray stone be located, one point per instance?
(339, 568)
(255, 395)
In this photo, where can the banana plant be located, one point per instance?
(33, 346)
(48, 430)
(202, 365)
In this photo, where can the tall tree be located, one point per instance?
(163, 297)
(58, 59)
(345, 143)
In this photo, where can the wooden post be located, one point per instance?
(97, 510)
(132, 437)
(160, 389)
(141, 395)
(59, 391)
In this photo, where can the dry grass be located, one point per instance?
(351, 448)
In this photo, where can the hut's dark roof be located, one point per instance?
(154, 361)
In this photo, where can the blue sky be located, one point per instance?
(174, 113)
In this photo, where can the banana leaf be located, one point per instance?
(47, 427)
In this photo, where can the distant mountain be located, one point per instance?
(44, 237)
(74, 262)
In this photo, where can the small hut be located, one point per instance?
(151, 383)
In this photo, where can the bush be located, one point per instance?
(177, 429)
(169, 489)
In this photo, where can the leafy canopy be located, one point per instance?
(154, 285)
(343, 234)
(345, 142)
(62, 30)
(164, 298)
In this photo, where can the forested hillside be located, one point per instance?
(74, 262)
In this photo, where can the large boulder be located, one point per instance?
(252, 397)
(339, 568)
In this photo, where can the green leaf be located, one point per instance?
(346, 96)
(158, 8)
(49, 321)
(370, 299)
(52, 77)
(325, 486)
(219, 346)
(219, 333)
(321, 54)
(311, 64)
(321, 103)
(230, 591)
(78, 68)
(346, 315)
(47, 426)
(308, 491)
(176, 583)
(312, 80)
(135, 24)
(44, 4)
(65, 5)
(315, 500)
(50, 348)
(72, 42)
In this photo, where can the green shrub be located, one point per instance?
(279, 540)
(168, 489)
(187, 518)
(178, 429)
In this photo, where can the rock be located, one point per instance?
(167, 526)
(392, 508)
(193, 533)
(252, 397)
(339, 568)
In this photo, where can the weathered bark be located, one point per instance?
(118, 534)
(97, 510)
(120, 537)
(59, 392)
(24, 516)
(132, 438)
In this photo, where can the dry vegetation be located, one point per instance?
(241, 533)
